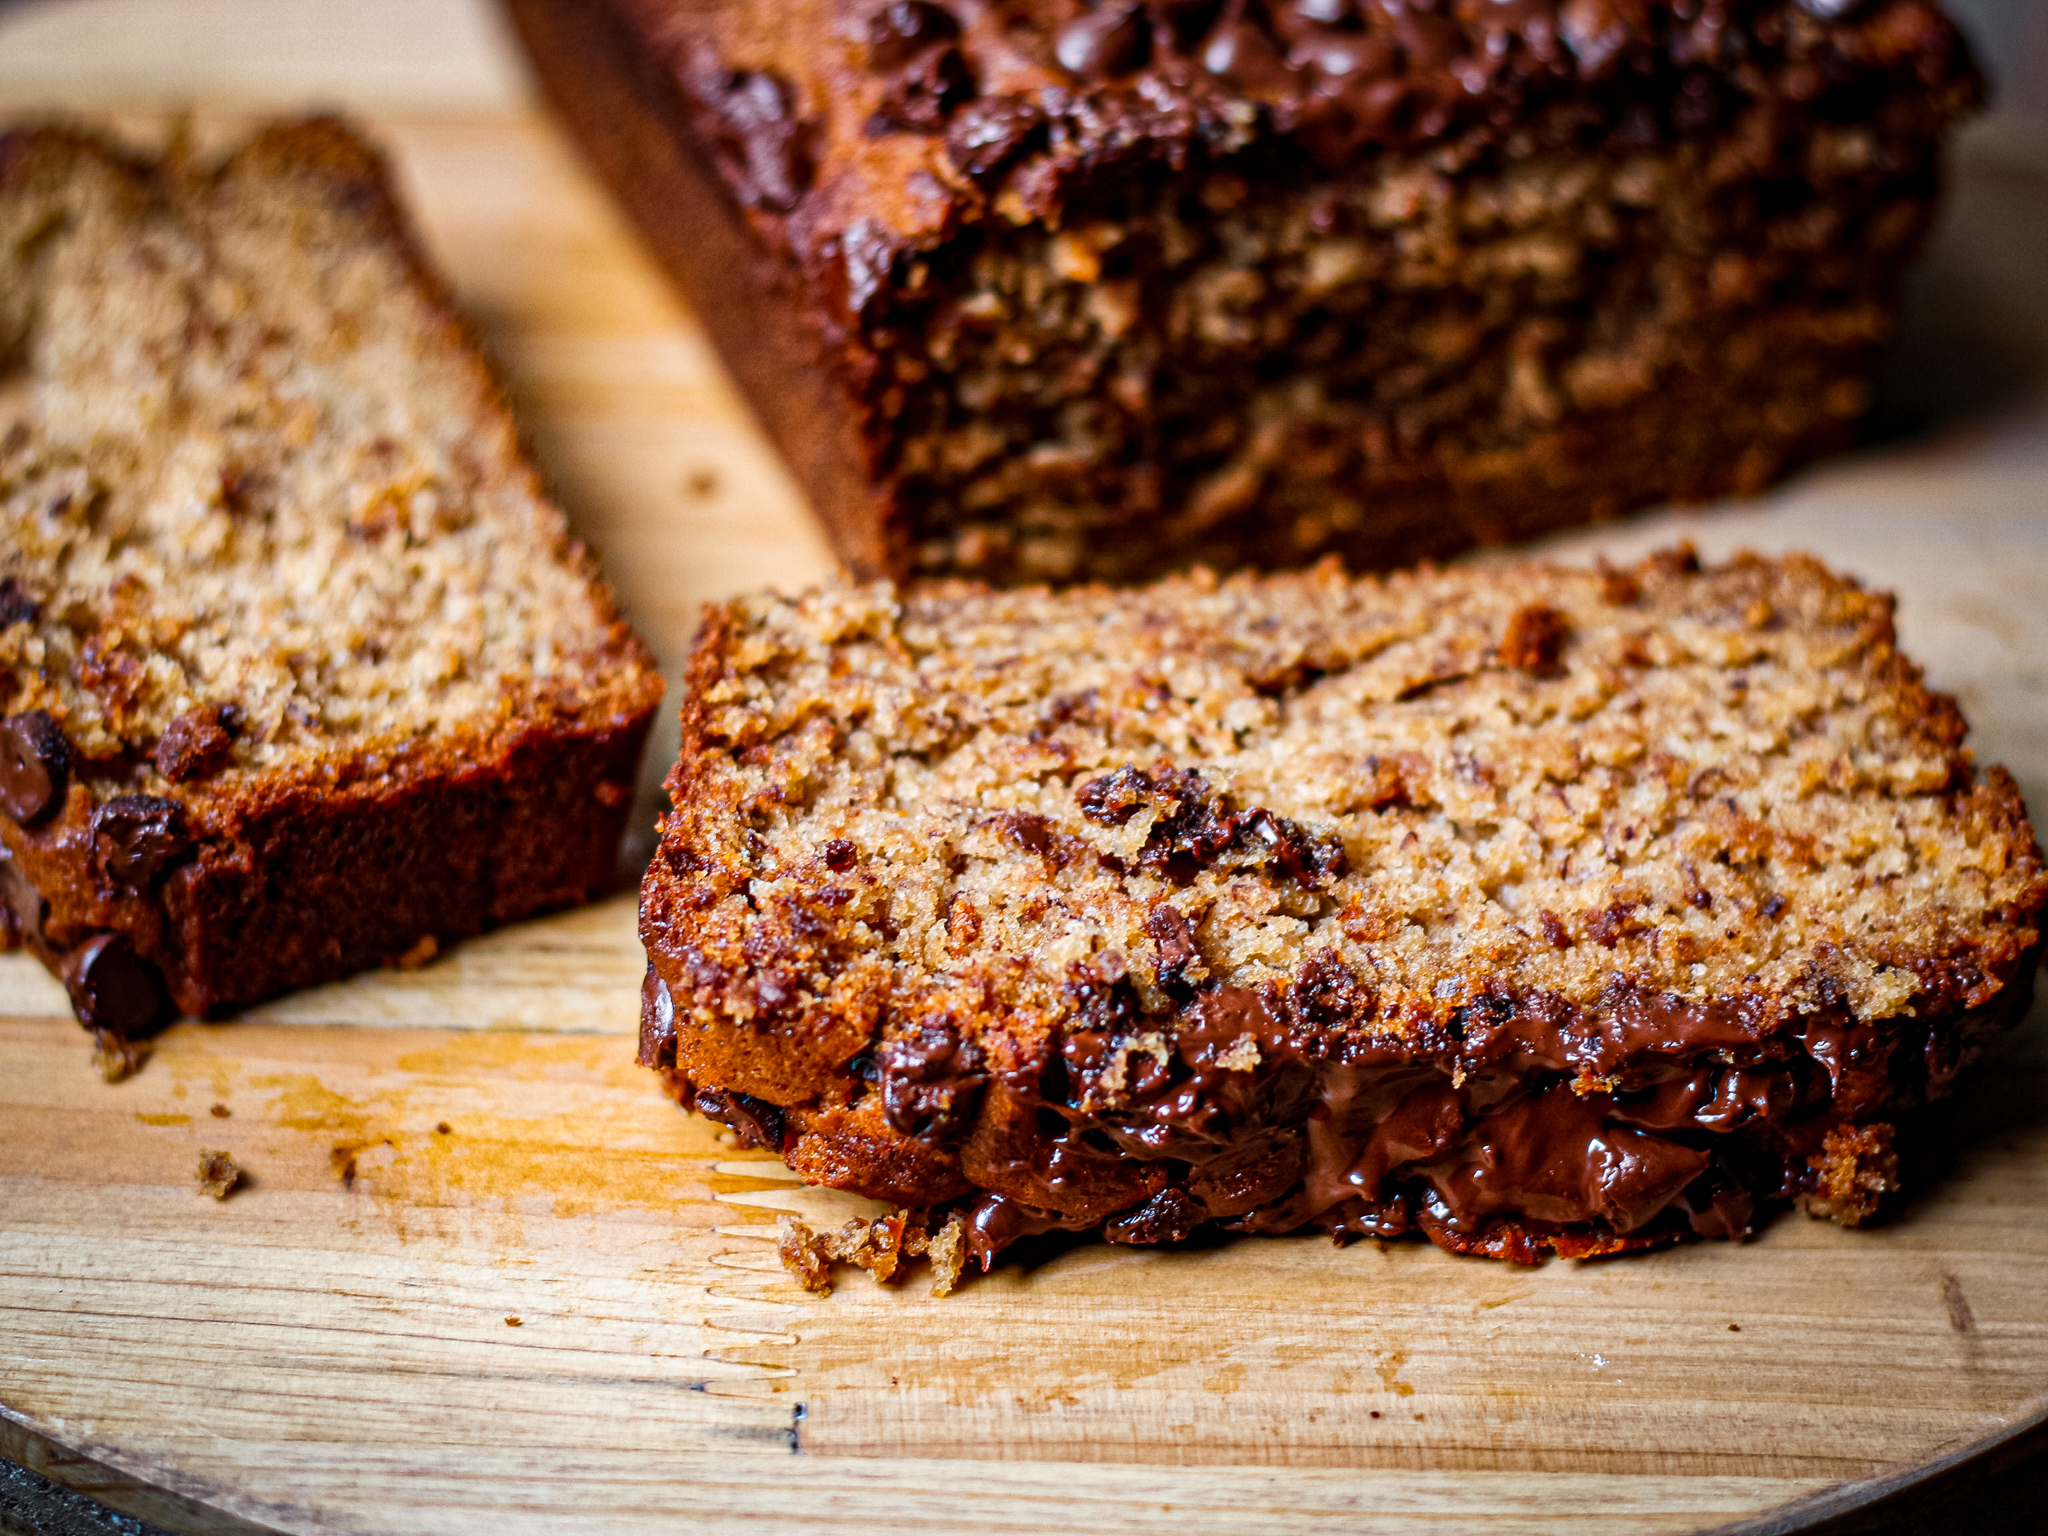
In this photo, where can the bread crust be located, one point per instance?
(978, 342)
(929, 918)
(371, 853)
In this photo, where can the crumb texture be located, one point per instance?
(1045, 290)
(299, 669)
(249, 461)
(1069, 896)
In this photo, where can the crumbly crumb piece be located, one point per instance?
(878, 1245)
(1856, 1167)
(219, 1174)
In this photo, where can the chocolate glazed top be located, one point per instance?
(858, 132)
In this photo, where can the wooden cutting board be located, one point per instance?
(484, 1277)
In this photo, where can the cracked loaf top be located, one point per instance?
(870, 130)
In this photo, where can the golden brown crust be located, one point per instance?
(1525, 907)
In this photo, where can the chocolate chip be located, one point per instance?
(1238, 51)
(112, 988)
(657, 1022)
(1170, 1216)
(137, 837)
(1174, 937)
(196, 745)
(840, 855)
(759, 139)
(926, 93)
(1111, 41)
(987, 135)
(35, 766)
(898, 32)
(22, 908)
(932, 1083)
(16, 606)
(755, 1121)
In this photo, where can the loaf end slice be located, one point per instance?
(1523, 907)
(300, 669)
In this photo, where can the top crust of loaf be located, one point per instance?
(251, 461)
(1724, 786)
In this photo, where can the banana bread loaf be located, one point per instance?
(1049, 289)
(300, 671)
(1526, 908)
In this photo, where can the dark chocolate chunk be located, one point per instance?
(1239, 51)
(35, 766)
(657, 1022)
(196, 745)
(840, 855)
(755, 1121)
(926, 93)
(1194, 828)
(137, 837)
(987, 135)
(1111, 41)
(758, 135)
(1170, 1216)
(998, 1221)
(22, 908)
(16, 606)
(898, 32)
(932, 1083)
(113, 988)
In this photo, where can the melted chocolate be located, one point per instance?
(1112, 41)
(903, 29)
(137, 837)
(932, 1083)
(1491, 1134)
(35, 766)
(762, 145)
(756, 1122)
(113, 989)
(657, 1022)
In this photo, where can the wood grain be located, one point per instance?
(328, 1349)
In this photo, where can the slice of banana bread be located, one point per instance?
(300, 671)
(1526, 907)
